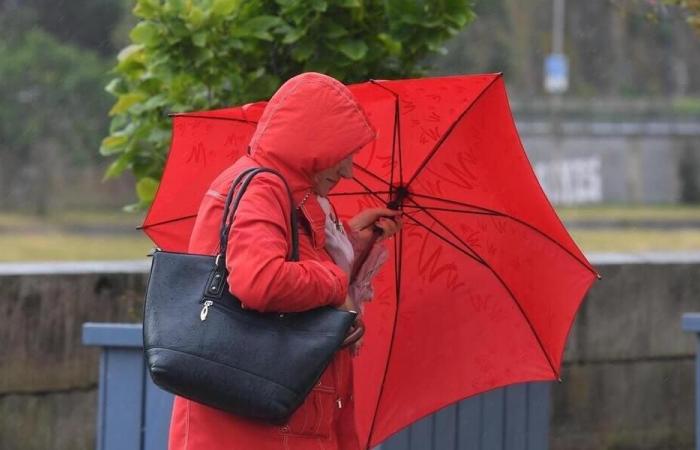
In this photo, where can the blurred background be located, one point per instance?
(606, 96)
(613, 137)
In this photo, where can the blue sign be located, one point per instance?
(556, 73)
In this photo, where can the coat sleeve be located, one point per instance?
(259, 242)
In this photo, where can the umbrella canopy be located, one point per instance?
(483, 282)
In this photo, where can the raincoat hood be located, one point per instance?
(310, 124)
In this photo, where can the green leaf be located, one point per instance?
(125, 101)
(146, 9)
(146, 33)
(116, 87)
(349, 3)
(158, 135)
(263, 35)
(196, 18)
(303, 50)
(174, 7)
(199, 38)
(131, 60)
(223, 8)
(113, 144)
(333, 30)
(258, 27)
(294, 35)
(129, 52)
(116, 168)
(319, 5)
(392, 45)
(263, 22)
(156, 102)
(353, 49)
(146, 189)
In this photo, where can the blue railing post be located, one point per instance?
(133, 413)
(691, 322)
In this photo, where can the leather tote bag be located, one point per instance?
(199, 342)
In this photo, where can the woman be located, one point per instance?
(308, 133)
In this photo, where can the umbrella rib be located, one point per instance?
(449, 130)
(463, 211)
(474, 256)
(397, 132)
(393, 143)
(520, 221)
(398, 126)
(164, 222)
(455, 202)
(369, 191)
(507, 288)
(398, 252)
(356, 193)
(454, 235)
(197, 116)
(377, 177)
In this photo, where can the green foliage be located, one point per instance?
(199, 54)
(656, 9)
(50, 92)
(693, 9)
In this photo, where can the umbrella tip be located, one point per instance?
(560, 380)
(599, 276)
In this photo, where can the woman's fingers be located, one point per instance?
(389, 226)
(367, 217)
(378, 213)
(388, 212)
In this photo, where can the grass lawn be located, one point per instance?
(637, 240)
(103, 235)
(55, 246)
(112, 235)
(631, 212)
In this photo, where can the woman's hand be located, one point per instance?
(349, 305)
(388, 220)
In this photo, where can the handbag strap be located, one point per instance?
(232, 205)
(227, 204)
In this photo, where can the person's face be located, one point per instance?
(326, 180)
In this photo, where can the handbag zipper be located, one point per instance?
(205, 310)
(206, 304)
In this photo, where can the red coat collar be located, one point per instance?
(315, 217)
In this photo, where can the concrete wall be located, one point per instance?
(640, 162)
(48, 379)
(628, 375)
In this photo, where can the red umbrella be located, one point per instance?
(483, 282)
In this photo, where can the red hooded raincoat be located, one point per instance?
(311, 123)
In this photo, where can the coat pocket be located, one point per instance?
(315, 416)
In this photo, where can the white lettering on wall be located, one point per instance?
(571, 181)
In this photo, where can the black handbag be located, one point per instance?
(201, 344)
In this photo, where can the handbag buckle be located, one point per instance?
(216, 283)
